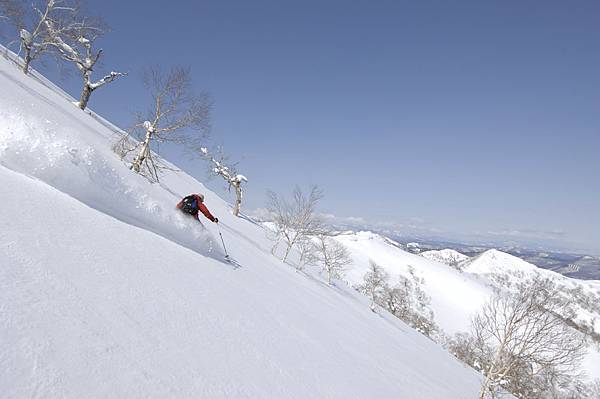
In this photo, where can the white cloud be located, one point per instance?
(554, 234)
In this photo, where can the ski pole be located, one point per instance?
(222, 241)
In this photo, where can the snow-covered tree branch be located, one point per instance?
(229, 173)
(32, 24)
(176, 115)
(77, 47)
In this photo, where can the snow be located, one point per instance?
(106, 79)
(107, 292)
(494, 261)
(26, 37)
(240, 178)
(447, 256)
(148, 126)
(457, 295)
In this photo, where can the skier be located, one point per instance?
(194, 203)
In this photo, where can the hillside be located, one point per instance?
(457, 295)
(107, 292)
(446, 256)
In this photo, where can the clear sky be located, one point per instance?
(460, 118)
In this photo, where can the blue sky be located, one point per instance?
(473, 119)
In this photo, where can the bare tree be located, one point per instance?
(76, 45)
(307, 251)
(521, 333)
(32, 24)
(229, 174)
(464, 347)
(296, 219)
(374, 284)
(177, 115)
(408, 301)
(332, 256)
(395, 300)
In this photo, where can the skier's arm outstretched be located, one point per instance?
(202, 208)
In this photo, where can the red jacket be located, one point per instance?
(201, 207)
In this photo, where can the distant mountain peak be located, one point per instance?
(447, 256)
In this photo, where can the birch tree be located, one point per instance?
(307, 252)
(407, 300)
(229, 174)
(374, 284)
(32, 24)
(296, 219)
(77, 47)
(176, 116)
(332, 255)
(521, 334)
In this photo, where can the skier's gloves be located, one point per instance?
(216, 220)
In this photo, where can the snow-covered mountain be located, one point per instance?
(106, 291)
(446, 256)
(454, 296)
(458, 294)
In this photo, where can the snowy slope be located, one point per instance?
(446, 256)
(503, 270)
(454, 296)
(494, 261)
(107, 292)
(457, 295)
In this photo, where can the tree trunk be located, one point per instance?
(27, 60)
(274, 248)
(141, 157)
(488, 377)
(484, 387)
(287, 250)
(85, 95)
(238, 200)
